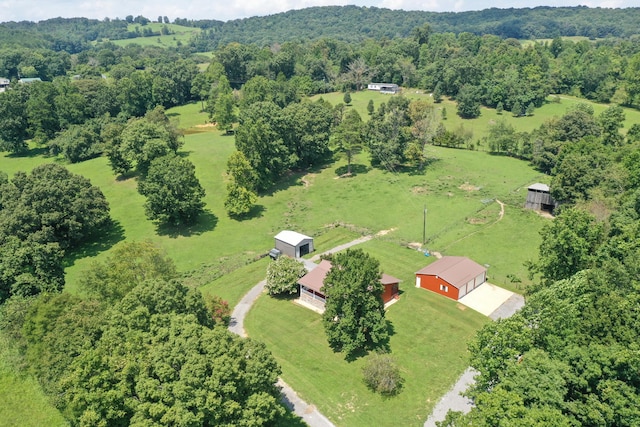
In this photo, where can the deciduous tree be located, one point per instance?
(174, 194)
(568, 245)
(354, 316)
(283, 275)
(347, 137)
(127, 265)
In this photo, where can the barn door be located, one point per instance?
(304, 249)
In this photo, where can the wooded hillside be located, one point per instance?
(345, 23)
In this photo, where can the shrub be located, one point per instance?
(382, 375)
(218, 309)
(283, 275)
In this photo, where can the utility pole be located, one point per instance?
(424, 225)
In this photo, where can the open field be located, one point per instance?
(22, 401)
(180, 35)
(459, 189)
(429, 343)
(488, 116)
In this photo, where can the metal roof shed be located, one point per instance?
(539, 198)
(294, 244)
(451, 276)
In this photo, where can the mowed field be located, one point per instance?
(459, 189)
(429, 336)
(181, 35)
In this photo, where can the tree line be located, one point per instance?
(351, 24)
(136, 346)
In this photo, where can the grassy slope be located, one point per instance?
(372, 200)
(22, 401)
(488, 116)
(429, 343)
(180, 34)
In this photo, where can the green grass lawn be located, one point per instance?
(458, 187)
(429, 343)
(181, 35)
(488, 116)
(22, 401)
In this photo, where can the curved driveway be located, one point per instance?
(290, 398)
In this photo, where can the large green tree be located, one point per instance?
(259, 138)
(174, 194)
(354, 316)
(142, 141)
(158, 362)
(569, 244)
(52, 205)
(13, 126)
(127, 265)
(348, 137)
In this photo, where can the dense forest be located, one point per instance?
(345, 23)
(138, 346)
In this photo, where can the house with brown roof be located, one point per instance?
(311, 284)
(451, 276)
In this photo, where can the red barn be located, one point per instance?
(451, 276)
(312, 282)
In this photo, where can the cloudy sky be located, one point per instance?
(35, 10)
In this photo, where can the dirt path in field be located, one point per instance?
(500, 216)
(290, 398)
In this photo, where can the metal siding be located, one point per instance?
(286, 248)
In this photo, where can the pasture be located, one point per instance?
(222, 255)
(180, 35)
(479, 127)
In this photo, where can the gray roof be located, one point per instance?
(456, 270)
(539, 187)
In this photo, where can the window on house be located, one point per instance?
(444, 288)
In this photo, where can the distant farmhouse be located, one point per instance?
(29, 80)
(311, 284)
(4, 84)
(539, 198)
(451, 276)
(384, 87)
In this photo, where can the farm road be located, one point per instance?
(290, 398)
(453, 400)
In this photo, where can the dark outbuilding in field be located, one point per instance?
(539, 198)
(294, 244)
(451, 276)
(311, 287)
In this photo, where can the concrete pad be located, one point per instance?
(486, 298)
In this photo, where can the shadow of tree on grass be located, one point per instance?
(31, 152)
(255, 212)
(102, 241)
(207, 221)
(356, 169)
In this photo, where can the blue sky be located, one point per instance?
(35, 10)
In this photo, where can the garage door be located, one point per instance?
(304, 249)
